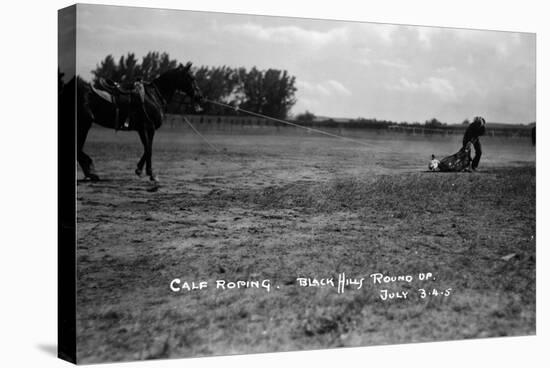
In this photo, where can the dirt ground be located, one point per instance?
(279, 205)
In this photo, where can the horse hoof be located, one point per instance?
(93, 177)
(138, 172)
(154, 178)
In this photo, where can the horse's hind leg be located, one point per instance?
(85, 161)
(87, 165)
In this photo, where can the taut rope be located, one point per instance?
(289, 123)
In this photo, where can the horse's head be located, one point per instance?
(185, 82)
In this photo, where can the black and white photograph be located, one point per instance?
(252, 184)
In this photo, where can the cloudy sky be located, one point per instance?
(343, 69)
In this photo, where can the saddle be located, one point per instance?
(114, 88)
(127, 102)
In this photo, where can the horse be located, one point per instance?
(145, 118)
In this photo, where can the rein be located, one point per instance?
(162, 101)
(159, 94)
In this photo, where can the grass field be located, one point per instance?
(279, 205)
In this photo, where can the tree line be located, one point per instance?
(308, 117)
(270, 92)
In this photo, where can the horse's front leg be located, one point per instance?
(149, 157)
(141, 163)
(146, 137)
(144, 141)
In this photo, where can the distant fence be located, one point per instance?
(451, 130)
(237, 123)
(174, 120)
